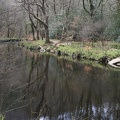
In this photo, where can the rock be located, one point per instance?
(52, 51)
(78, 56)
(37, 48)
(48, 50)
(42, 50)
(73, 55)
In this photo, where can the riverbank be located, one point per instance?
(2, 40)
(77, 50)
(93, 51)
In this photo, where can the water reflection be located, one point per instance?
(42, 87)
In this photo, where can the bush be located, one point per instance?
(113, 29)
(93, 30)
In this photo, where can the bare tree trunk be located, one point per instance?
(92, 6)
(20, 32)
(54, 6)
(47, 35)
(8, 32)
(26, 31)
(37, 33)
(33, 32)
(47, 30)
(37, 26)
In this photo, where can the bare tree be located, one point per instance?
(42, 7)
(90, 6)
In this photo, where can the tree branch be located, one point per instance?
(45, 25)
(85, 7)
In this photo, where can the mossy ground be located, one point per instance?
(93, 51)
(32, 43)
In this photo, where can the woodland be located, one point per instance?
(79, 20)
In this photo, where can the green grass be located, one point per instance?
(91, 51)
(115, 45)
(29, 44)
(9, 39)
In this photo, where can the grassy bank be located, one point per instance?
(93, 51)
(90, 51)
(32, 44)
(2, 40)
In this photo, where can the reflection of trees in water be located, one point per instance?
(93, 101)
(62, 89)
(13, 64)
(7, 62)
(116, 95)
(37, 81)
(10, 70)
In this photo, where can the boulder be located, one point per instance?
(52, 51)
(42, 50)
(48, 50)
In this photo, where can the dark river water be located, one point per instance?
(43, 87)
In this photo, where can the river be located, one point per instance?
(34, 86)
